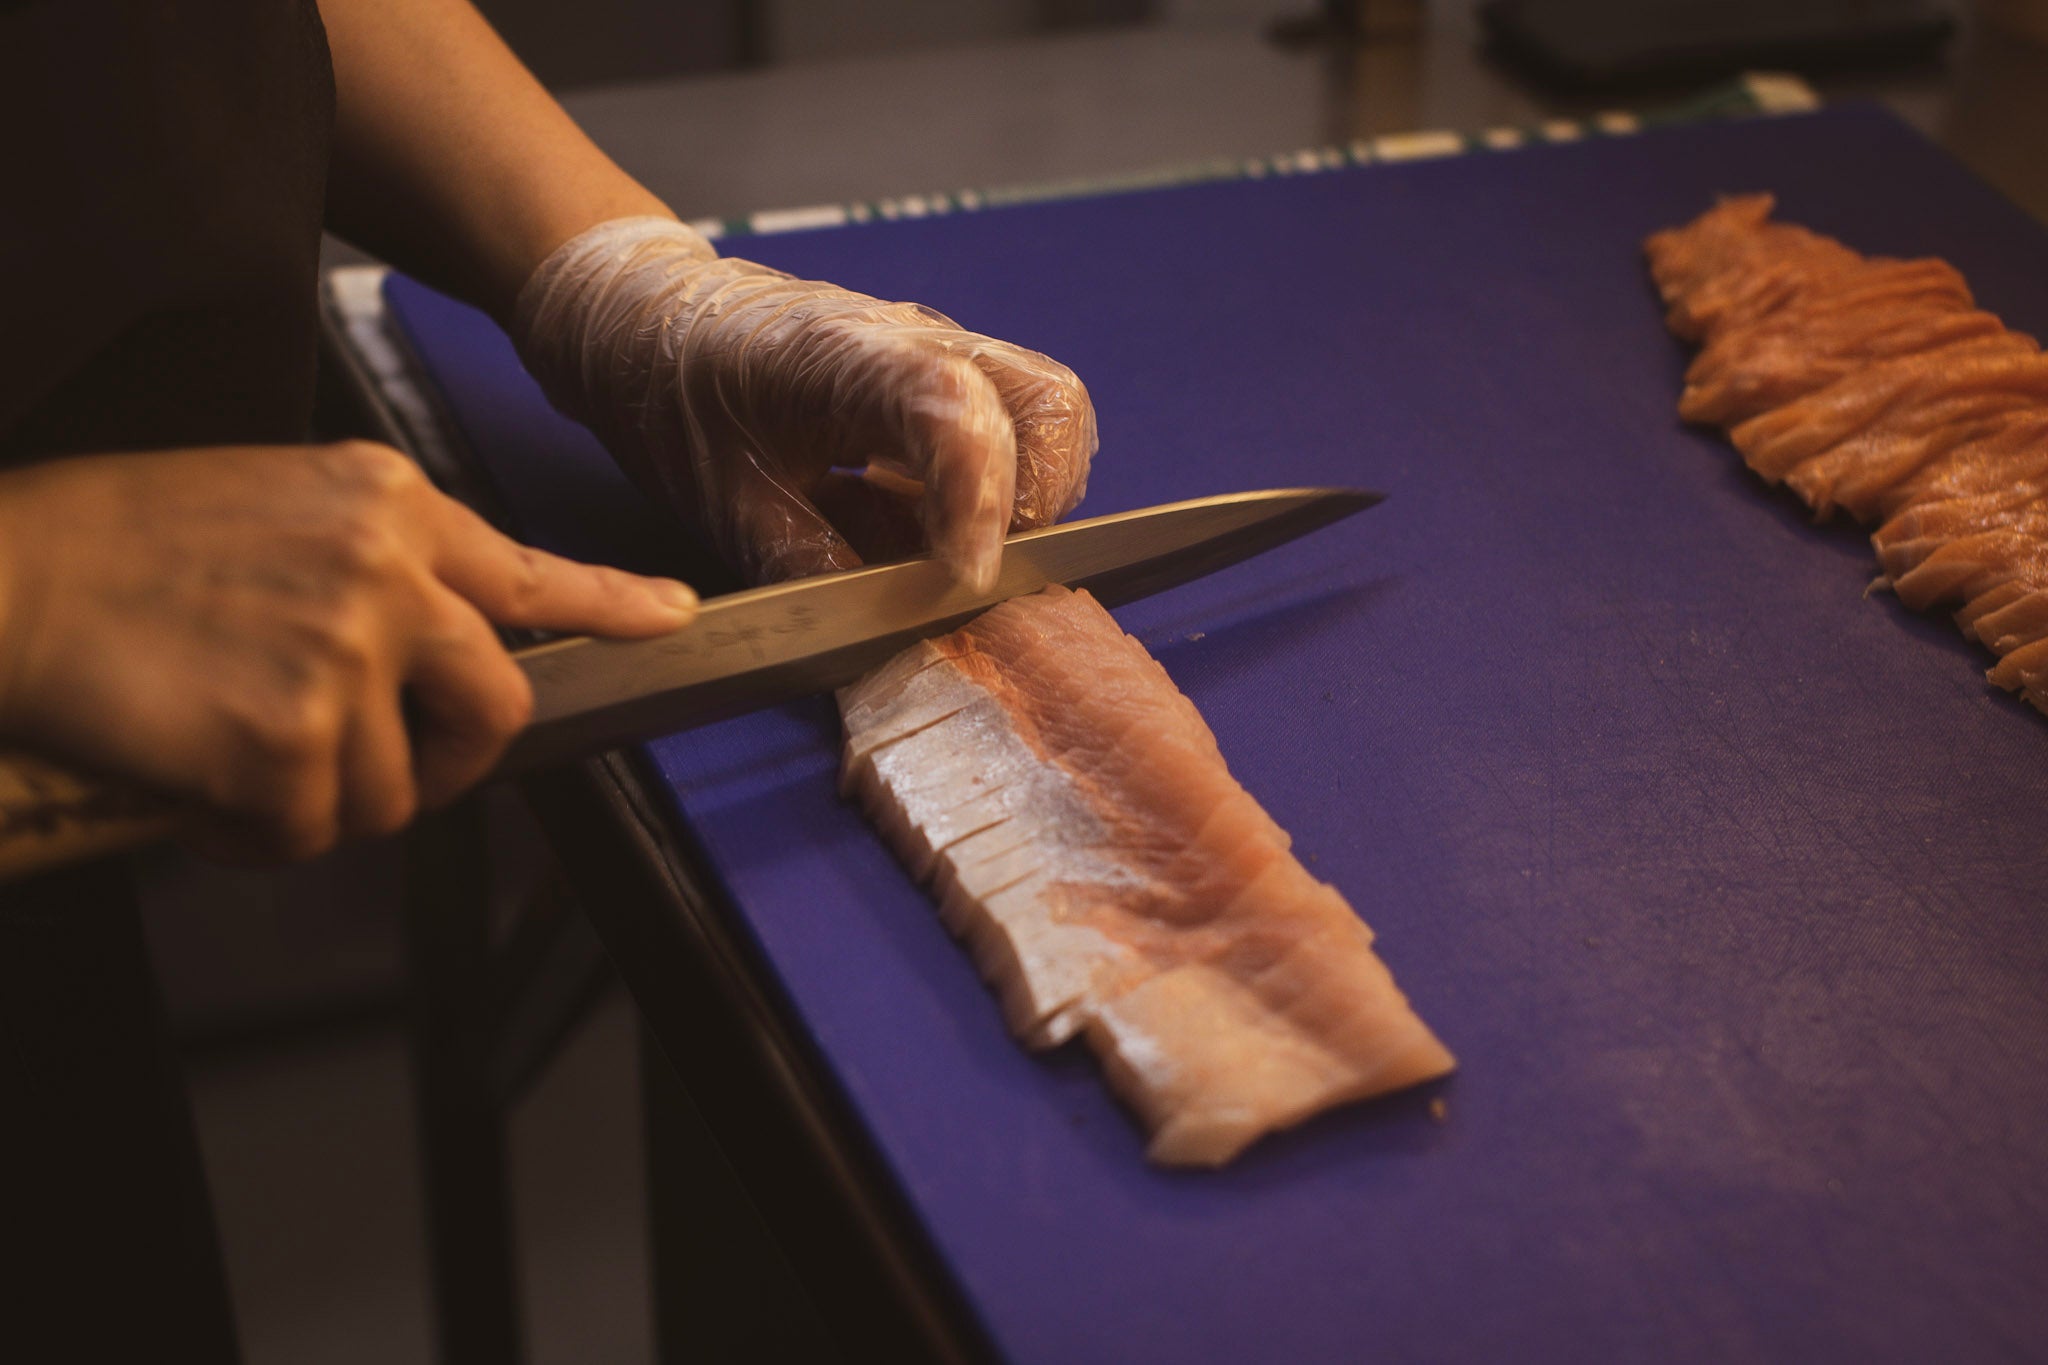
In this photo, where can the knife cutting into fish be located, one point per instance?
(745, 651)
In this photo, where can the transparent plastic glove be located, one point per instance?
(798, 425)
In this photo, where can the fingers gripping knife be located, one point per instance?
(744, 651)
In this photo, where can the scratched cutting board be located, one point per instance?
(1725, 883)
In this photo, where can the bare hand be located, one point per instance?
(255, 626)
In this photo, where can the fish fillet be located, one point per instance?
(1877, 387)
(1111, 880)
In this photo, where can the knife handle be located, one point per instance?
(52, 817)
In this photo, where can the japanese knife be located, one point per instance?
(745, 651)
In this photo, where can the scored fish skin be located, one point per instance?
(1077, 822)
(1877, 387)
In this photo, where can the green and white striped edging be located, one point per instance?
(1752, 95)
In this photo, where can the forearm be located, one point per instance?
(449, 158)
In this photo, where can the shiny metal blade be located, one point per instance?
(753, 649)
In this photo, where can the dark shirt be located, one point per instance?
(163, 170)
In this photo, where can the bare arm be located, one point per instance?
(450, 160)
(729, 390)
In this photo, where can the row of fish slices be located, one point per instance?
(1878, 387)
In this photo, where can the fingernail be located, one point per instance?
(981, 567)
(677, 597)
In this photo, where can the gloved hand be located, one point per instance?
(747, 400)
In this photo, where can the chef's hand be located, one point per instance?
(236, 624)
(743, 397)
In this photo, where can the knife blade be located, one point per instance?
(745, 651)
(753, 649)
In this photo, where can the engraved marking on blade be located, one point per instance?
(801, 620)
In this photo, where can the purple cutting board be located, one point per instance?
(1728, 886)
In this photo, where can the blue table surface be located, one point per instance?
(1725, 884)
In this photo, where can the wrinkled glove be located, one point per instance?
(798, 425)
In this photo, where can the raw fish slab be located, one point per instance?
(1725, 886)
(1085, 841)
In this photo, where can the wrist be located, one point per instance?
(598, 251)
(581, 302)
(531, 233)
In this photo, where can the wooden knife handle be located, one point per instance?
(51, 816)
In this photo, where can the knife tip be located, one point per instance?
(1348, 500)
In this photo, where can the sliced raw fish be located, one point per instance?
(1748, 371)
(1984, 603)
(1971, 565)
(1732, 264)
(1979, 376)
(2009, 459)
(1877, 387)
(1863, 474)
(2015, 623)
(1110, 878)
